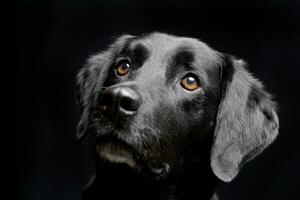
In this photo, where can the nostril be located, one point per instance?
(129, 104)
(106, 99)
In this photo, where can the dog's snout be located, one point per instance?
(120, 99)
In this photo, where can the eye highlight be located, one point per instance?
(190, 82)
(122, 68)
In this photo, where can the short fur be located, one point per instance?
(178, 144)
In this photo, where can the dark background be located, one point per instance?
(55, 37)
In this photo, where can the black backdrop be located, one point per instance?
(55, 38)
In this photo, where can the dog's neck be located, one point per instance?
(121, 182)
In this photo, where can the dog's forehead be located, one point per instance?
(158, 42)
(160, 45)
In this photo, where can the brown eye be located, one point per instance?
(190, 83)
(123, 68)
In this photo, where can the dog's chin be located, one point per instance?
(117, 154)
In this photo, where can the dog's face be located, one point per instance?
(146, 101)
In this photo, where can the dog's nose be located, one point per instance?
(120, 99)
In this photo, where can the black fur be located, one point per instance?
(182, 142)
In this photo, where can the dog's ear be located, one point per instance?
(90, 80)
(246, 121)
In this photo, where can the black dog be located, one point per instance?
(167, 117)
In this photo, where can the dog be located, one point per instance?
(169, 117)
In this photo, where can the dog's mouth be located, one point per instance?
(117, 151)
(113, 150)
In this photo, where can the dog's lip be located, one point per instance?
(116, 150)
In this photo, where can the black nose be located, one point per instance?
(121, 99)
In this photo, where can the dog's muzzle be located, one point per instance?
(118, 104)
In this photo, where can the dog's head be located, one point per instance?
(149, 101)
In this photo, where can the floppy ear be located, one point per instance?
(90, 80)
(246, 121)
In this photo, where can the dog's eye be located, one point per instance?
(122, 68)
(190, 82)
